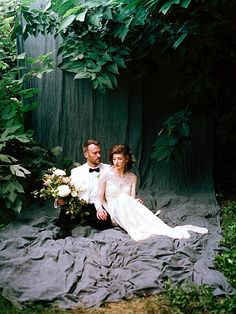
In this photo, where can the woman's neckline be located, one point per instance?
(118, 174)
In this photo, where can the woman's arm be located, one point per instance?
(133, 189)
(101, 212)
(133, 184)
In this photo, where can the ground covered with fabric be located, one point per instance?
(94, 267)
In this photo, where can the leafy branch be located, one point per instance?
(15, 102)
(100, 37)
(173, 138)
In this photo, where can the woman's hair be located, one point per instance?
(125, 151)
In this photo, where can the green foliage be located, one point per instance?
(228, 219)
(14, 138)
(173, 138)
(30, 308)
(105, 33)
(91, 61)
(15, 102)
(226, 260)
(7, 47)
(2, 226)
(188, 298)
(101, 38)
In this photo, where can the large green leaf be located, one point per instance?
(121, 32)
(18, 186)
(185, 129)
(73, 11)
(120, 62)
(11, 186)
(107, 13)
(23, 138)
(28, 93)
(61, 6)
(106, 57)
(113, 80)
(93, 55)
(82, 75)
(113, 68)
(57, 150)
(173, 139)
(29, 107)
(17, 206)
(95, 19)
(19, 171)
(10, 131)
(161, 154)
(179, 40)
(93, 3)
(81, 16)
(7, 158)
(185, 3)
(12, 196)
(167, 5)
(66, 22)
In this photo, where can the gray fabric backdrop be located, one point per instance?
(70, 112)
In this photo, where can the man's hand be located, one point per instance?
(60, 201)
(101, 213)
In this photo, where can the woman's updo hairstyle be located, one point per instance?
(125, 151)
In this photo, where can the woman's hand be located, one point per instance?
(101, 213)
(139, 200)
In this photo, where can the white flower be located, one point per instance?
(74, 194)
(65, 180)
(63, 190)
(59, 172)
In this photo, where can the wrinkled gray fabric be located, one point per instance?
(93, 266)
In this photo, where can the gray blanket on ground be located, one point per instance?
(94, 267)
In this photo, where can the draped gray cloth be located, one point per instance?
(94, 267)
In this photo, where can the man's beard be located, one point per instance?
(96, 162)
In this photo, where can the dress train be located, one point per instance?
(141, 223)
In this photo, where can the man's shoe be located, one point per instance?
(62, 234)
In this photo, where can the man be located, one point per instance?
(85, 179)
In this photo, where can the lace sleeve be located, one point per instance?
(101, 190)
(102, 178)
(133, 182)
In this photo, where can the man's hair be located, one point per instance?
(89, 142)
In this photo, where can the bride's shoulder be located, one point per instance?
(131, 175)
(106, 173)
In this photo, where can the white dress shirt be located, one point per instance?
(87, 182)
(93, 186)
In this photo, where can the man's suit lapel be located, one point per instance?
(85, 175)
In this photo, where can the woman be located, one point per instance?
(117, 187)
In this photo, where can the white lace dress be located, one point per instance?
(131, 215)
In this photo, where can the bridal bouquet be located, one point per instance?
(57, 184)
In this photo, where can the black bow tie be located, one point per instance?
(94, 169)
